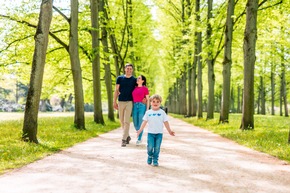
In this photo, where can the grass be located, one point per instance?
(270, 134)
(54, 134)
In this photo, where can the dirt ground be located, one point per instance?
(195, 160)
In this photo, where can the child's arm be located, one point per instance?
(168, 128)
(141, 128)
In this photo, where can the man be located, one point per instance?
(125, 85)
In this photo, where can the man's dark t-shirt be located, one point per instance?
(126, 88)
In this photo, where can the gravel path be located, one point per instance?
(195, 160)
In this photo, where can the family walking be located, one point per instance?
(133, 95)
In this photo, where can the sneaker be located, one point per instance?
(149, 160)
(138, 142)
(128, 140)
(155, 163)
(123, 143)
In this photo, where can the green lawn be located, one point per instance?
(54, 134)
(270, 134)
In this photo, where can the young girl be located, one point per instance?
(155, 117)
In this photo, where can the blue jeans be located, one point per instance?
(153, 146)
(138, 113)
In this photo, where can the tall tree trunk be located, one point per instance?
(116, 52)
(183, 105)
(239, 100)
(250, 38)
(284, 90)
(210, 64)
(130, 31)
(232, 109)
(98, 112)
(79, 119)
(108, 78)
(263, 99)
(198, 60)
(281, 96)
(272, 89)
(284, 84)
(36, 78)
(227, 63)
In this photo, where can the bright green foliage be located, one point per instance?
(54, 134)
(270, 135)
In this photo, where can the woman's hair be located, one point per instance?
(144, 80)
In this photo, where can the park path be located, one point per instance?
(195, 160)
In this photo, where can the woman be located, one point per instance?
(140, 94)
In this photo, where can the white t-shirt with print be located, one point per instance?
(155, 120)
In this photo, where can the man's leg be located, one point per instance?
(121, 110)
(127, 117)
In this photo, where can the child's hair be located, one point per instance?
(157, 97)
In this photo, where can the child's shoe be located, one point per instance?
(155, 163)
(149, 160)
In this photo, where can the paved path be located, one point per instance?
(194, 160)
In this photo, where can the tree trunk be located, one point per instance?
(239, 100)
(272, 89)
(250, 38)
(263, 99)
(36, 78)
(284, 91)
(183, 105)
(108, 78)
(98, 112)
(130, 30)
(227, 64)
(79, 119)
(210, 65)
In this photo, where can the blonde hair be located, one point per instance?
(157, 97)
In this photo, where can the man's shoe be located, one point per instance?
(128, 140)
(123, 143)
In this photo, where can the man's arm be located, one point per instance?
(116, 94)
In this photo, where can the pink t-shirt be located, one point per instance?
(139, 93)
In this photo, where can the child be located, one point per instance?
(155, 117)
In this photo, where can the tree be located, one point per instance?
(79, 119)
(106, 61)
(250, 37)
(227, 63)
(36, 78)
(210, 64)
(98, 114)
(197, 57)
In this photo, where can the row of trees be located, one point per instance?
(175, 44)
(230, 28)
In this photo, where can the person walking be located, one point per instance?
(156, 118)
(140, 96)
(125, 85)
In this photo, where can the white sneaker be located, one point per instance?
(138, 142)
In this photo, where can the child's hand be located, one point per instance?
(172, 133)
(138, 133)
